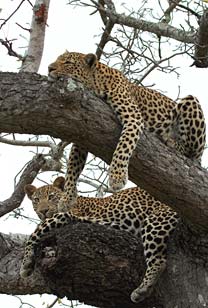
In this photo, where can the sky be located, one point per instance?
(73, 30)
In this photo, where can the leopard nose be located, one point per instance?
(44, 211)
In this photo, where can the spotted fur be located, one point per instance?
(180, 125)
(132, 210)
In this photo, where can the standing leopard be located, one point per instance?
(132, 210)
(180, 125)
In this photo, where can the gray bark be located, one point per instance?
(30, 104)
(159, 28)
(101, 266)
(198, 38)
(33, 58)
(201, 49)
(92, 263)
(27, 177)
(11, 254)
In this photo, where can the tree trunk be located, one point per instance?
(101, 266)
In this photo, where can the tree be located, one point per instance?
(94, 257)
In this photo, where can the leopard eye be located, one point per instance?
(36, 199)
(69, 62)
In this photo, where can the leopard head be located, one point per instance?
(75, 65)
(45, 198)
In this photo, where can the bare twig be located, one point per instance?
(53, 163)
(157, 64)
(172, 5)
(159, 28)
(27, 177)
(53, 303)
(152, 62)
(5, 21)
(97, 187)
(30, 3)
(198, 16)
(26, 29)
(24, 303)
(8, 44)
(27, 143)
(105, 38)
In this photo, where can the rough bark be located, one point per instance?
(27, 177)
(201, 49)
(33, 58)
(159, 28)
(30, 104)
(100, 266)
(11, 253)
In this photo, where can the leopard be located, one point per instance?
(179, 125)
(133, 210)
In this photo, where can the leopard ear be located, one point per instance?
(90, 59)
(29, 190)
(59, 182)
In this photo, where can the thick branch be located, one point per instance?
(106, 32)
(11, 253)
(27, 177)
(101, 266)
(32, 60)
(104, 38)
(96, 257)
(160, 28)
(201, 50)
(199, 38)
(30, 104)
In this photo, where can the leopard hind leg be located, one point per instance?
(155, 233)
(189, 127)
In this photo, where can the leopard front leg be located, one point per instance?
(57, 221)
(118, 171)
(28, 261)
(132, 121)
(75, 165)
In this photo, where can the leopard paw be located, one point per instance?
(117, 181)
(26, 272)
(67, 202)
(27, 266)
(139, 294)
(26, 269)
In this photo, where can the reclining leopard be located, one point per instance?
(180, 125)
(132, 210)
